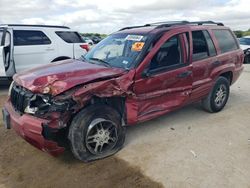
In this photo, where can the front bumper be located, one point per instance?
(31, 129)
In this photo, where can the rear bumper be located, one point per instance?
(31, 129)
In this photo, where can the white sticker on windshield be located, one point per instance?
(134, 37)
(125, 62)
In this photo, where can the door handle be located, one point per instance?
(49, 49)
(184, 74)
(216, 63)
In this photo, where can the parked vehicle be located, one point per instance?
(245, 42)
(247, 56)
(245, 46)
(96, 39)
(134, 75)
(27, 46)
(88, 40)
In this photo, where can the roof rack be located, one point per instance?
(173, 23)
(28, 25)
(207, 22)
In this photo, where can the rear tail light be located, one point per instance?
(85, 46)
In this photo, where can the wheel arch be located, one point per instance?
(117, 103)
(228, 75)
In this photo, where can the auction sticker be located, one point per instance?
(134, 37)
(137, 46)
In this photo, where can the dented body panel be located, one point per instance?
(62, 76)
(145, 96)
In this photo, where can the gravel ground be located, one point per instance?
(186, 148)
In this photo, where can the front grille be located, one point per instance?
(19, 97)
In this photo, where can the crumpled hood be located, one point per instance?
(63, 75)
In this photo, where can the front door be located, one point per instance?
(7, 65)
(166, 81)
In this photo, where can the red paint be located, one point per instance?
(85, 46)
(30, 129)
(146, 97)
(63, 75)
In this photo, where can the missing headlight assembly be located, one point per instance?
(24, 101)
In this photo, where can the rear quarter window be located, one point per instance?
(226, 40)
(70, 37)
(28, 37)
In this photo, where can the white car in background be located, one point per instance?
(88, 40)
(27, 46)
(244, 42)
(245, 46)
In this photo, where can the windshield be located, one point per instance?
(118, 50)
(245, 41)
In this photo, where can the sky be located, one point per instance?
(107, 16)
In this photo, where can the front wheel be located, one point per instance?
(96, 132)
(218, 96)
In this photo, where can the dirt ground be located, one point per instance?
(186, 148)
(21, 165)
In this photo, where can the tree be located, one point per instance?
(239, 34)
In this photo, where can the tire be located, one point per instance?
(218, 96)
(97, 126)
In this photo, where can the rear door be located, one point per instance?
(32, 48)
(204, 60)
(7, 66)
(2, 69)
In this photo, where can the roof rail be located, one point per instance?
(132, 27)
(207, 22)
(28, 25)
(169, 24)
(173, 23)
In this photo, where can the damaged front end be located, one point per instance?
(39, 118)
(43, 119)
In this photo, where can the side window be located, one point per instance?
(210, 44)
(226, 40)
(70, 36)
(28, 37)
(200, 50)
(169, 54)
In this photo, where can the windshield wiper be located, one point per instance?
(100, 60)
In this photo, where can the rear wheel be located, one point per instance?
(218, 96)
(96, 132)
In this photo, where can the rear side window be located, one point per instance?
(200, 50)
(203, 45)
(70, 37)
(226, 40)
(28, 37)
(210, 44)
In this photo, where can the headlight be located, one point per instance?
(10, 88)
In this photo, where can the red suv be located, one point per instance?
(134, 75)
